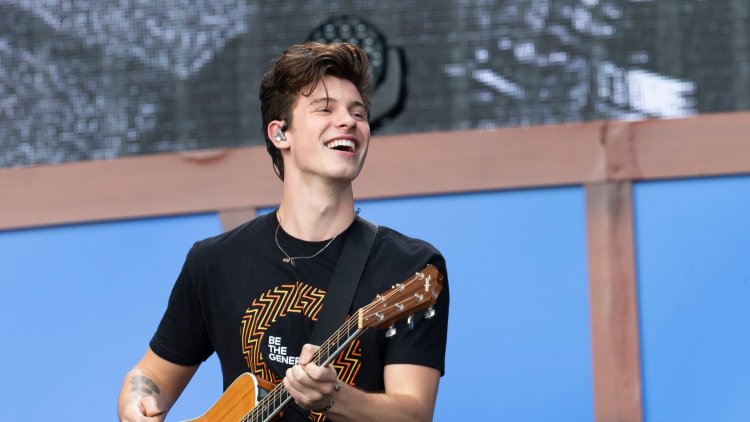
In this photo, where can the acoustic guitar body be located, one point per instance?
(236, 402)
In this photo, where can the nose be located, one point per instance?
(346, 120)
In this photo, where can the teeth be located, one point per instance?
(341, 143)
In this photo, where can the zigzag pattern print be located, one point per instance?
(298, 298)
(348, 363)
(265, 310)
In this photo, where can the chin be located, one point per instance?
(345, 176)
(348, 174)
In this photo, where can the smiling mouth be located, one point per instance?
(342, 145)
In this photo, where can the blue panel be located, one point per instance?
(78, 306)
(693, 240)
(519, 345)
(84, 301)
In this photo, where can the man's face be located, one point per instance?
(329, 134)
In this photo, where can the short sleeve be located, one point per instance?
(182, 336)
(425, 342)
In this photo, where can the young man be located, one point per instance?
(252, 294)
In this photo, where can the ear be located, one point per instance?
(275, 132)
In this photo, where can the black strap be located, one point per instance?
(345, 279)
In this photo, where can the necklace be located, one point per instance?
(290, 259)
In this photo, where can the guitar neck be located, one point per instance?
(341, 338)
(277, 398)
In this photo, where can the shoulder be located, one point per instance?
(404, 253)
(388, 237)
(231, 242)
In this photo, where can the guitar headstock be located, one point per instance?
(418, 292)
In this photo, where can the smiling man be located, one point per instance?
(252, 294)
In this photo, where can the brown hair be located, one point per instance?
(305, 65)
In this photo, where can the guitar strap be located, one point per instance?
(343, 283)
(345, 279)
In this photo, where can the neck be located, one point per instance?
(316, 214)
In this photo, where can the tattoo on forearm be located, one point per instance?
(144, 384)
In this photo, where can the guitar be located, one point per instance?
(239, 401)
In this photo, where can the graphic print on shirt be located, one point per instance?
(272, 338)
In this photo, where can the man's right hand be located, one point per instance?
(144, 409)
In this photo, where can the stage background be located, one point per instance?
(550, 318)
(80, 302)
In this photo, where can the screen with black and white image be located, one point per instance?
(82, 80)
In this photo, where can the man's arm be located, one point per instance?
(410, 392)
(151, 388)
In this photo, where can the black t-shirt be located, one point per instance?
(235, 296)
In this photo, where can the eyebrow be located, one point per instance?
(327, 100)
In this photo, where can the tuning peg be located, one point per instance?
(410, 322)
(390, 332)
(429, 313)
